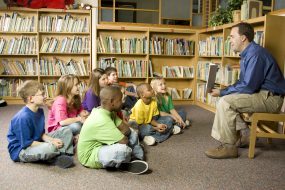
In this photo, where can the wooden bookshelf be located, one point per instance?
(270, 28)
(28, 29)
(156, 52)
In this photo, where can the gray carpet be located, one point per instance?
(178, 163)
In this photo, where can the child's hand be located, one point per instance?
(181, 123)
(84, 113)
(161, 127)
(57, 143)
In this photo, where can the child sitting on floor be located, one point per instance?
(152, 127)
(128, 89)
(97, 81)
(165, 104)
(66, 110)
(105, 141)
(26, 136)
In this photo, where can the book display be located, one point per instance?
(141, 53)
(214, 48)
(172, 55)
(43, 45)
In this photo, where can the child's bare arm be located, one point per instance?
(124, 128)
(177, 117)
(161, 113)
(131, 94)
(56, 142)
(124, 140)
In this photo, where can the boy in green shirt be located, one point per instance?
(105, 141)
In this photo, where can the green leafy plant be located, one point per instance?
(220, 16)
(234, 4)
(224, 15)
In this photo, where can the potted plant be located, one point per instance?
(234, 6)
(225, 15)
(220, 16)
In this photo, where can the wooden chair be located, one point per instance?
(260, 128)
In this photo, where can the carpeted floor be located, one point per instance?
(178, 163)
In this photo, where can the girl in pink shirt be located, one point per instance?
(66, 110)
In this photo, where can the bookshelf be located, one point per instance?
(42, 45)
(141, 49)
(266, 34)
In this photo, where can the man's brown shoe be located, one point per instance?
(222, 152)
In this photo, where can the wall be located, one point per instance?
(175, 9)
(279, 4)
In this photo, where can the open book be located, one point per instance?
(211, 77)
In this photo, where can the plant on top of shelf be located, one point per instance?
(220, 16)
(234, 4)
(224, 15)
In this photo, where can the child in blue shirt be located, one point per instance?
(27, 141)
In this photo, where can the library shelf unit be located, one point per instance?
(147, 50)
(269, 32)
(47, 44)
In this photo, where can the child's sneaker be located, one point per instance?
(149, 140)
(188, 123)
(176, 130)
(134, 167)
(64, 161)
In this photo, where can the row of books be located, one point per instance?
(63, 24)
(125, 68)
(228, 74)
(203, 96)
(24, 45)
(108, 44)
(9, 87)
(50, 88)
(177, 46)
(203, 68)
(76, 44)
(177, 71)
(180, 93)
(27, 67)
(259, 37)
(57, 67)
(228, 49)
(16, 23)
(211, 46)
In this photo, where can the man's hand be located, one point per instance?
(215, 92)
(57, 142)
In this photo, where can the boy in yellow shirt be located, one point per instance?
(152, 127)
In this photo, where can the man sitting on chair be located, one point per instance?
(261, 88)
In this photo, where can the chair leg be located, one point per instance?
(252, 140)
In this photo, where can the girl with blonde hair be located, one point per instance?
(165, 104)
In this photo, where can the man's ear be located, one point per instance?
(243, 38)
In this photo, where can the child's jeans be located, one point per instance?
(47, 151)
(182, 114)
(148, 130)
(74, 127)
(114, 155)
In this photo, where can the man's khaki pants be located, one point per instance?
(227, 119)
